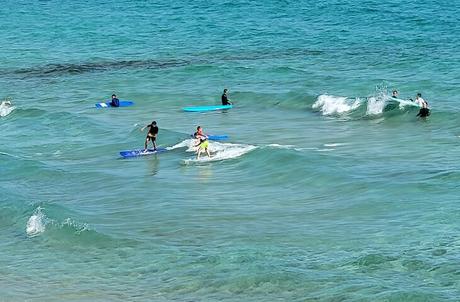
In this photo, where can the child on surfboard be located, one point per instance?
(203, 143)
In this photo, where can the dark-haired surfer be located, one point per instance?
(151, 135)
(115, 102)
(225, 100)
(424, 110)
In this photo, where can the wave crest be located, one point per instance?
(330, 105)
(36, 223)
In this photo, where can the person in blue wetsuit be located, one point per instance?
(115, 102)
(225, 100)
(151, 135)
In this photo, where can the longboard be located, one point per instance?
(405, 102)
(207, 108)
(141, 152)
(107, 104)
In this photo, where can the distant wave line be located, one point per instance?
(60, 69)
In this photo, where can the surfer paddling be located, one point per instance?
(151, 135)
(203, 143)
(115, 102)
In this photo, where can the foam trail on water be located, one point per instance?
(334, 144)
(36, 223)
(329, 104)
(221, 151)
(278, 146)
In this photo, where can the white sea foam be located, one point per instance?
(36, 223)
(278, 146)
(334, 145)
(222, 151)
(329, 104)
(375, 105)
(6, 108)
(325, 150)
(78, 227)
(190, 144)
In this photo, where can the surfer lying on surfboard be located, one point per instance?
(115, 101)
(151, 135)
(203, 143)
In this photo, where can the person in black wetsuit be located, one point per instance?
(115, 102)
(151, 135)
(225, 100)
(395, 94)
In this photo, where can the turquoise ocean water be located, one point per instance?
(325, 190)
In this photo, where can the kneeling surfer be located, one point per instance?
(203, 142)
(151, 135)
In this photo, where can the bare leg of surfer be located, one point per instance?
(145, 145)
(198, 153)
(207, 152)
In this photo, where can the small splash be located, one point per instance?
(36, 223)
(375, 105)
(77, 227)
(329, 104)
(6, 108)
(188, 143)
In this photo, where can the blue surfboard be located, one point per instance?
(141, 152)
(207, 108)
(107, 104)
(216, 137)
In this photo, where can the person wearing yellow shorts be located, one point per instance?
(203, 142)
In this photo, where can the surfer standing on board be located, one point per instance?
(151, 135)
(203, 142)
(225, 100)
